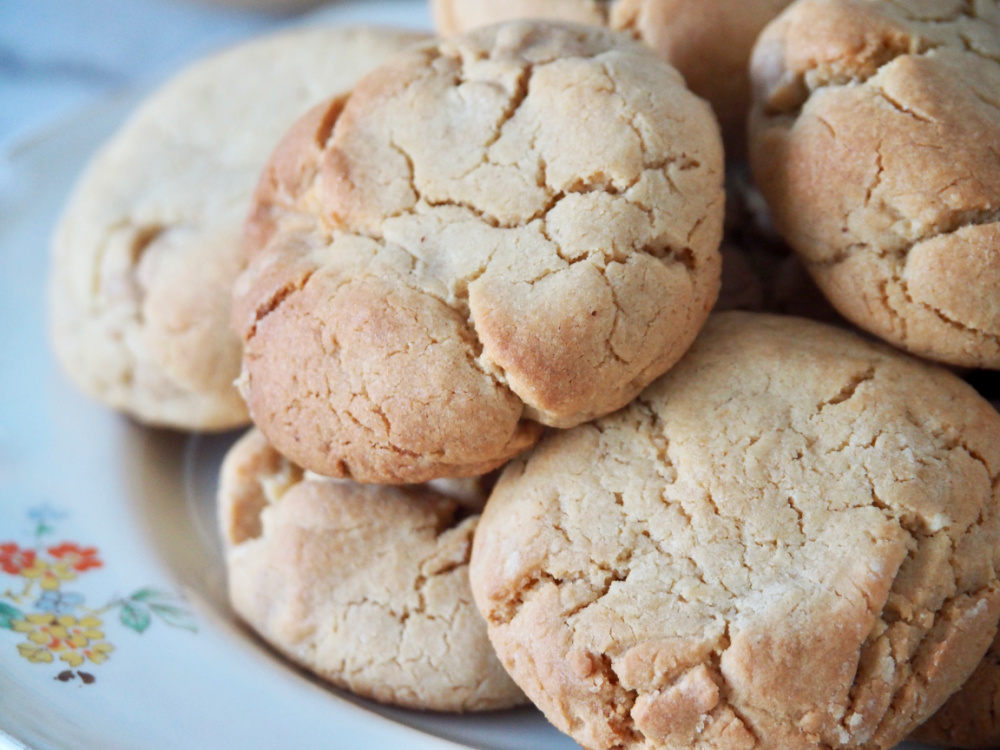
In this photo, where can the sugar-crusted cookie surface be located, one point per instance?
(709, 41)
(790, 540)
(146, 253)
(874, 140)
(513, 227)
(366, 586)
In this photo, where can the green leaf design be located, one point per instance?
(8, 613)
(175, 616)
(135, 617)
(150, 595)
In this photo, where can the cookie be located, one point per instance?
(709, 41)
(147, 250)
(971, 717)
(791, 540)
(506, 229)
(873, 140)
(365, 586)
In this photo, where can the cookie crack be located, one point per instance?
(374, 438)
(661, 442)
(850, 388)
(896, 259)
(911, 673)
(985, 99)
(808, 82)
(901, 108)
(459, 305)
(522, 88)
(947, 443)
(898, 319)
(714, 666)
(274, 301)
(613, 353)
(937, 312)
(504, 612)
(818, 76)
(622, 724)
(967, 10)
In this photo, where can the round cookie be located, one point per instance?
(506, 229)
(147, 250)
(709, 41)
(873, 140)
(366, 586)
(790, 540)
(971, 717)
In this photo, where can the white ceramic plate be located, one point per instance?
(117, 635)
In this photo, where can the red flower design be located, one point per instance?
(77, 557)
(13, 558)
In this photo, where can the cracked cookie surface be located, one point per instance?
(708, 41)
(366, 586)
(511, 228)
(874, 139)
(971, 717)
(146, 253)
(789, 540)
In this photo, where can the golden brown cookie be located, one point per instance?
(971, 717)
(145, 255)
(791, 540)
(366, 586)
(506, 229)
(874, 138)
(709, 41)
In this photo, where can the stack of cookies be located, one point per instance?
(501, 450)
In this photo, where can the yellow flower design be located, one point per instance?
(50, 576)
(73, 639)
(97, 653)
(35, 654)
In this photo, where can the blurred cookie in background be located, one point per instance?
(709, 41)
(150, 242)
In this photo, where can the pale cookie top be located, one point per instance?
(709, 41)
(874, 139)
(512, 227)
(146, 253)
(970, 718)
(791, 540)
(366, 586)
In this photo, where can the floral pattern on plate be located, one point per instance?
(62, 626)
